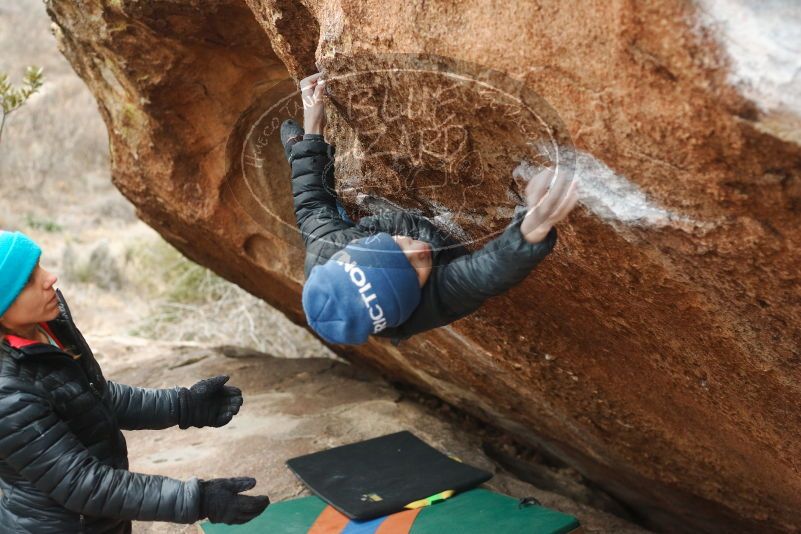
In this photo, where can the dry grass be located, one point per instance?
(191, 303)
(54, 148)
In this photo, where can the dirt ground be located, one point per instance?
(292, 407)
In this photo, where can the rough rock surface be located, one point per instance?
(657, 349)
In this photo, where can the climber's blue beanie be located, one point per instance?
(364, 288)
(18, 257)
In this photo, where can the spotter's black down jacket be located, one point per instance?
(460, 280)
(63, 459)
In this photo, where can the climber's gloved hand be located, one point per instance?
(209, 403)
(220, 501)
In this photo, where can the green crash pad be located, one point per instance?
(477, 511)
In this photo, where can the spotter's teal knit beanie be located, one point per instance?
(18, 257)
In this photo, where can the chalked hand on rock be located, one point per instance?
(549, 200)
(312, 92)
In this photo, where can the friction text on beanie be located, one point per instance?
(359, 279)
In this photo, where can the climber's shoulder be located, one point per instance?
(320, 250)
(397, 222)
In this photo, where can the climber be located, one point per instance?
(395, 274)
(63, 459)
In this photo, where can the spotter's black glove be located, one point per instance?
(220, 501)
(209, 403)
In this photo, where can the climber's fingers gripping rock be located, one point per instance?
(535, 185)
(549, 201)
(312, 92)
(308, 86)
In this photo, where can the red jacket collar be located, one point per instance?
(18, 342)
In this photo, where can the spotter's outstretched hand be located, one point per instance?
(209, 403)
(221, 502)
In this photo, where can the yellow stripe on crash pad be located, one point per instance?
(400, 523)
(330, 521)
(428, 501)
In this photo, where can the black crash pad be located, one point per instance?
(380, 476)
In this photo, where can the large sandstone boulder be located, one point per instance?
(657, 349)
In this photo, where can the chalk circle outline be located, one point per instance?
(563, 152)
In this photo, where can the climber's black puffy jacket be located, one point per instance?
(460, 280)
(63, 459)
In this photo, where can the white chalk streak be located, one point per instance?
(763, 41)
(610, 196)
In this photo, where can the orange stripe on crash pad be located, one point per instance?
(399, 523)
(330, 521)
